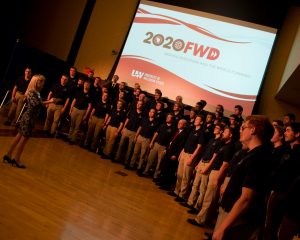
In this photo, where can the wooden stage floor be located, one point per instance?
(69, 193)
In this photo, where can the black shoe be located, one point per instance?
(104, 156)
(18, 165)
(128, 167)
(139, 172)
(179, 199)
(166, 188)
(208, 235)
(160, 184)
(156, 180)
(7, 159)
(7, 123)
(185, 204)
(195, 223)
(172, 194)
(193, 211)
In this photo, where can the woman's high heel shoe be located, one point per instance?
(18, 165)
(6, 159)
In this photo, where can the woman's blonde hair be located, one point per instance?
(36, 83)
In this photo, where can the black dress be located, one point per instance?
(33, 106)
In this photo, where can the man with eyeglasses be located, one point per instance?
(242, 204)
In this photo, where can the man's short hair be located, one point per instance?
(158, 91)
(239, 107)
(291, 116)
(295, 126)
(264, 130)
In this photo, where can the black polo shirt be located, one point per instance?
(288, 170)
(177, 117)
(208, 131)
(101, 109)
(22, 84)
(195, 137)
(96, 93)
(165, 133)
(160, 117)
(148, 127)
(117, 117)
(212, 147)
(60, 92)
(134, 120)
(82, 100)
(236, 158)
(253, 172)
(224, 154)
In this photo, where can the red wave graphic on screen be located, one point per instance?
(154, 21)
(176, 21)
(248, 97)
(175, 85)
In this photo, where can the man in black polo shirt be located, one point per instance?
(188, 159)
(79, 110)
(243, 201)
(17, 97)
(114, 126)
(282, 179)
(202, 171)
(158, 146)
(98, 117)
(131, 125)
(60, 95)
(142, 140)
(210, 194)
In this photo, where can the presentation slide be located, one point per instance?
(196, 55)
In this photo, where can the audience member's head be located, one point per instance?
(277, 123)
(220, 108)
(289, 118)
(278, 136)
(157, 94)
(238, 110)
(256, 127)
(292, 133)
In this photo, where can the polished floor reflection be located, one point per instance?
(67, 192)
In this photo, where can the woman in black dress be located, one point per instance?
(26, 124)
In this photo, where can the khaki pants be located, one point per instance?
(157, 153)
(76, 119)
(140, 151)
(209, 199)
(195, 193)
(94, 129)
(53, 117)
(16, 107)
(184, 174)
(110, 138)
(126, 135)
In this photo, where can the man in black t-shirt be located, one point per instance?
(114, 126)
(188, 159)
(98, 118)
(131, 125)
(158, 144)
(210, 194)
(60, 96)
(242, 214)
(202, 171)
(17, 97)
(79, 111)
(142, 140)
